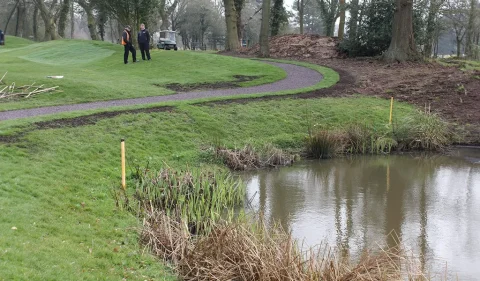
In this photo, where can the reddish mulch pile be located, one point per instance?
(298, 46)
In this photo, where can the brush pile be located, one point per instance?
(246, 251)
(25, 91)
(299, 46)
(248, 158)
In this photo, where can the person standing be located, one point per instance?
(2, 38)
(127, 44)
(144, 41)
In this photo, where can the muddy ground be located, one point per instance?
(448, 91)
(452, 93)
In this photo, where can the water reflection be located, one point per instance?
(432, 203)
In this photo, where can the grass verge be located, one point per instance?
(55, 184)
(101, 75)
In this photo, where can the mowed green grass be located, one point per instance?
(55, 184)
(94, 71)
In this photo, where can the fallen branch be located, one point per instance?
(12, 90)
(42, 91)
(1, 80)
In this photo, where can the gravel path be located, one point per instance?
(297, 77)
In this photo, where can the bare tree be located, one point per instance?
(301, 12)
(456, 14)
(232, 43)
(50, 13)
(470, 30)
(432, 22)
(264, 31)
(330, 12)
(341, 26)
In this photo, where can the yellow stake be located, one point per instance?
(391, 110)
(122, 148)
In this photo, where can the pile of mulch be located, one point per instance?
(298, 46)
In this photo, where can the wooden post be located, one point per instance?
(122, 149)
(391, 110)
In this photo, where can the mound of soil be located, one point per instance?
(299, 46)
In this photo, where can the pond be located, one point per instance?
(431, 202)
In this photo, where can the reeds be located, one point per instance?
(240, 250)
(425, 131)
(198, 198)
(250, 158)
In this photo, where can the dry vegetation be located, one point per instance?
(299, 46)
(243, 251)
(26, 91)
(249, 158)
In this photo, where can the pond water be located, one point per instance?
(431, 202)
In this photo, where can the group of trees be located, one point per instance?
(398, 29)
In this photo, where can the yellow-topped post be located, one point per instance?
(122, 150)
(391, 110)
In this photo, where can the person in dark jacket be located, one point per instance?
(127, 44)
(144, 41)
(2, 38)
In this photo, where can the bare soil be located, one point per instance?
(452, 93)
(448, 91)
(207, 86)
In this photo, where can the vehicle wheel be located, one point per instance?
(175, 48)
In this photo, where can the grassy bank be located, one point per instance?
(56, 182)
(94, 71)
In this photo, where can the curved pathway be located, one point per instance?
(297, 77)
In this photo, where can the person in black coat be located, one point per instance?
(127, 43)
(2, 38)
(144, 41)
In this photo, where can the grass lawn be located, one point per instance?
(94, 70)
(463, 64)
(55, 184)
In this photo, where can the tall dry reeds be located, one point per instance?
(249, 157)
(244, 251)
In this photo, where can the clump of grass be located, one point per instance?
(249, 158)
(198, 198)
(422, 131)
(425, 131)
(324, 144)
(239, 250)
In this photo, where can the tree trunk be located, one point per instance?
(430, 29)
(232, 43)
(264, 30)
(72, 20)
(300, 8)
(341, 26)
(50, 29)
(459, 47)
(402, 46)
(20, 19)
(470, 29)
(62, 21)
(91, 23)
(48, 19)
(35, 23)
(238, 12)
(10, 16)
(277, 14)
(353, 22)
